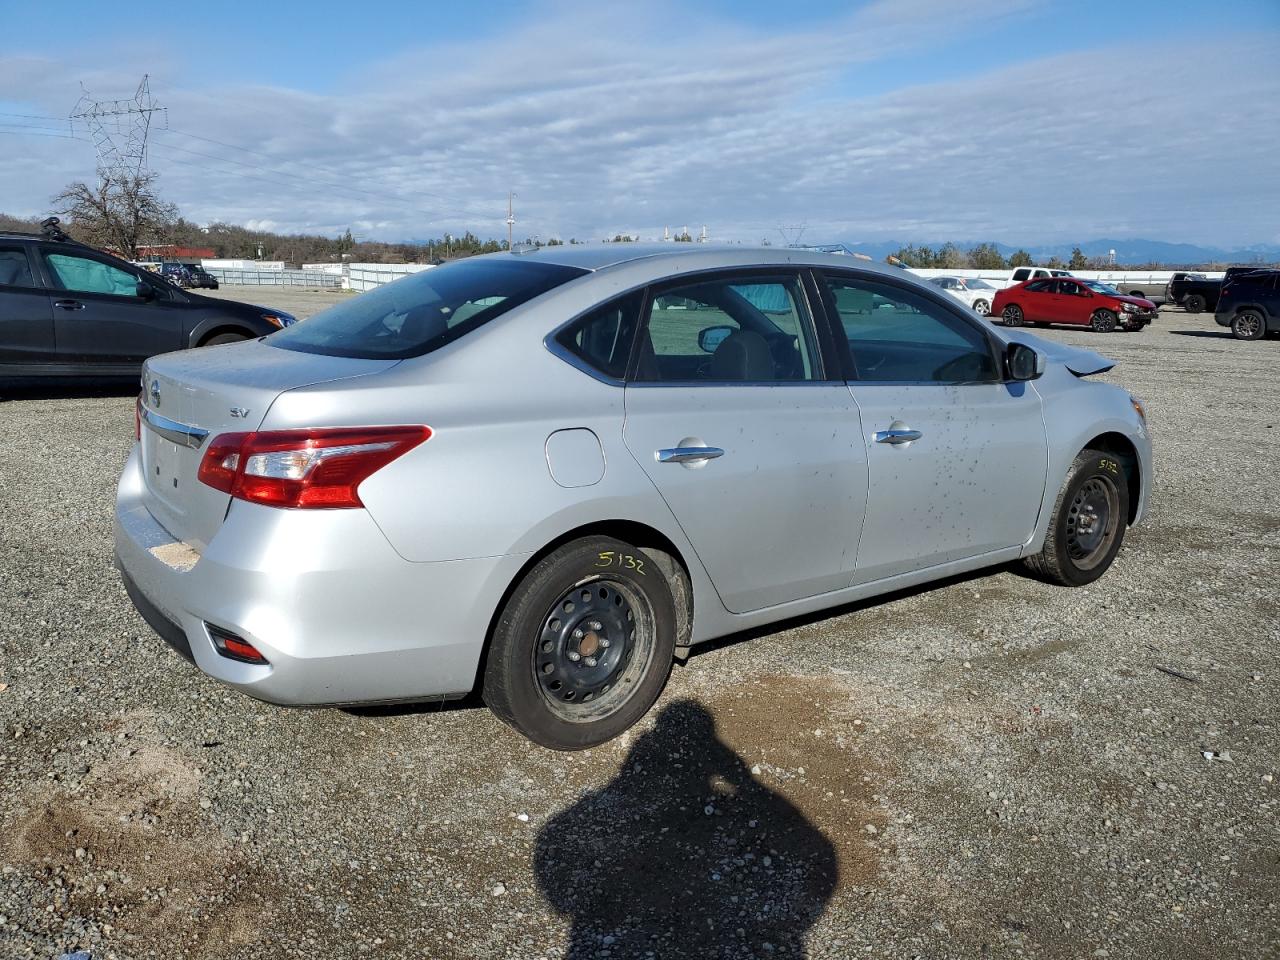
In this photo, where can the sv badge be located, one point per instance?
(240, 412)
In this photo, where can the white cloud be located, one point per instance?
(605, 122)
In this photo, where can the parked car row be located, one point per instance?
(67, 309)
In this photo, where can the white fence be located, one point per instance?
(366, 276)
(275, 278)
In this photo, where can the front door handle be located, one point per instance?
(69, 304)
(688, 454)
(897, 436)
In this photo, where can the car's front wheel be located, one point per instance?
(1194, 303)
(583, 646)
(1248, 325)
(224, 338)
(1088, 522)
(1103, 321)
(1012, 315)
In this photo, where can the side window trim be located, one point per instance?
(992, 342)
(822, 375)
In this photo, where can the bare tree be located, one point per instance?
(122, 211)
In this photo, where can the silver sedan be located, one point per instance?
(550, 474)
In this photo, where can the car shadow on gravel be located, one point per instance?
(685, 853)
(1208, 334)
(68, 389)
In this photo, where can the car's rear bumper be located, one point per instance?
(1223, 317)
(339, 615)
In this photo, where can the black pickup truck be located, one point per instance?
(1195, 292)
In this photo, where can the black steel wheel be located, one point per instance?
(1012, 315)
(583, 646)
(1194, 303)
(1248, 325)
(1088, 522)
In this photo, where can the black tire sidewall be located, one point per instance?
(510, 688)
(1091, 463)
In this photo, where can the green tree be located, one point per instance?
(985, 256)
(1078, 260)
(951, 257)
(683, 237)
(1055, 263)
(1020, 258)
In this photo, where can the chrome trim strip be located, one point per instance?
(687, 454)
(172, 430)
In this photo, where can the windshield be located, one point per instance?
(1097, 287)
(978, 285)
(425, 310)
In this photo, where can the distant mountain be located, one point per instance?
(1132, 251)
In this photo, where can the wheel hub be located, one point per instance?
(586, 643)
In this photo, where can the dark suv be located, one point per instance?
(1250, 304)
(188, 275)
(67, 309)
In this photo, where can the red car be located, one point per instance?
(1069, 300)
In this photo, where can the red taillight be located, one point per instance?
(304, 468)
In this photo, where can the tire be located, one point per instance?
(1012, 315)
(982, 308)
(224, 338)
(1194, 303)
(544, 680)
(1248, 325)
(1074, 555)
(1103, 321)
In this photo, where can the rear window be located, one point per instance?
(423, 311)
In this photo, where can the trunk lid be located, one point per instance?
(191, 396)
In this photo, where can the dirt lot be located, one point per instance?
(990, 767)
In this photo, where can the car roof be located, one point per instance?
(691, 256)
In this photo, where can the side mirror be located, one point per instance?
(1023, 362)
(145, 290)
(711, 337)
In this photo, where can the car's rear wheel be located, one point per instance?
(1103, 321)
(583, 646)
(1194, 303)
(1248, 325)
(982, 307)
(1012, 315)
(224, 338)
(1088, 522)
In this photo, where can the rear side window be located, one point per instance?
(424, 311)
(602, 339)
(15, 270)
(1040, 286)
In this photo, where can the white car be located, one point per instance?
(970, 291)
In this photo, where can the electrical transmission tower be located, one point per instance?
(792, 233)
(119, 129)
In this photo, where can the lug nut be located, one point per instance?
(577, 634)
(590, 661)
(597, 625)
(575, 656)
(604, 642)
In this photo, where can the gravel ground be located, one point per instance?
(989, 767)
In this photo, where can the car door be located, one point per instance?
(98, 316)
(956, 457)
(751, 439)
(26, 319)
(1035, 300)
(1072, 302)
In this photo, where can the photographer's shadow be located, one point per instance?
(685, 854)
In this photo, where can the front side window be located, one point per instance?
(728, 330)
(82, 275)
(1040, 286)
(15, 270)
(897, 335)
(602, 339)
(424, 311)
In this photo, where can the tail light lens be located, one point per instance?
(304, 468)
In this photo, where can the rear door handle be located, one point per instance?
(688, 454)
(69, 304)
(897, 436)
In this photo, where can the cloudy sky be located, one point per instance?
(1025, 121)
